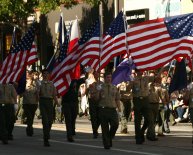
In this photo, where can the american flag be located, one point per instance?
(33, 57)
(20, 56)
(114, 43)
(62, 83)
(87, 47)
(156, 42)
(62, 45)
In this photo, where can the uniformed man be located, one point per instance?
(8, 97)
(47, 93)
(164, 99)
(126, 104)
(93, 99)
(70, 107)
(109, 101)
(30, 102)
(141, 107)
(153, 98)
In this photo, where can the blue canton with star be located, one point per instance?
(180, 26)
(117, 26)
(63, 47)
(26, 41)
(93, 31)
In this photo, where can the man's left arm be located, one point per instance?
(117, 100)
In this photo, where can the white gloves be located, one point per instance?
(119, 114)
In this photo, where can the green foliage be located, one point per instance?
(16, 12)
(93, 2)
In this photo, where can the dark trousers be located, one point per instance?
(125, 112)
(167, 113)
(154, 110)
(70, 111)
(109, 124)
(46, 110)
(29, 110)
(7, 120)
(191, 114)
(141, 108)
(94, 112)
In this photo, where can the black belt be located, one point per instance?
(140, 97)
(106, 107)
(46, 98)
(153, 103)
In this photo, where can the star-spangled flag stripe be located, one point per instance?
(154, 43)
(14, 66)
(114, 43)
(86, 47)
(16, 62)
(33, 57)
(61, 84)
(63, 40)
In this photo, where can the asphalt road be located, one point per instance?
(178, 142)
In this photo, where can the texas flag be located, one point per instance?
(74, 37)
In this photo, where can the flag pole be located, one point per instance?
(125, 26)
(116, 8)
(13, 39)
(101, 35)
(56, 43)
(170, 68)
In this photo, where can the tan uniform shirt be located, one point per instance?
(93, 90)
(125, 90)
(8, 94)
(140, 86)
(47, 89)
(153, 96)
(108, 96)
(163, 95)
(30, 94)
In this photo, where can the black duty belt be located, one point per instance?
(154, 103)
(48, 98)
(140, 97)
(107, 107)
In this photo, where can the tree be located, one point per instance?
(15, 12)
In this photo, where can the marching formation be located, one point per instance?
(146, 93)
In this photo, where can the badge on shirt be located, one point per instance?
(98, 87)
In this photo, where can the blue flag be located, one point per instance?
(123, 71)
(179, 80)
